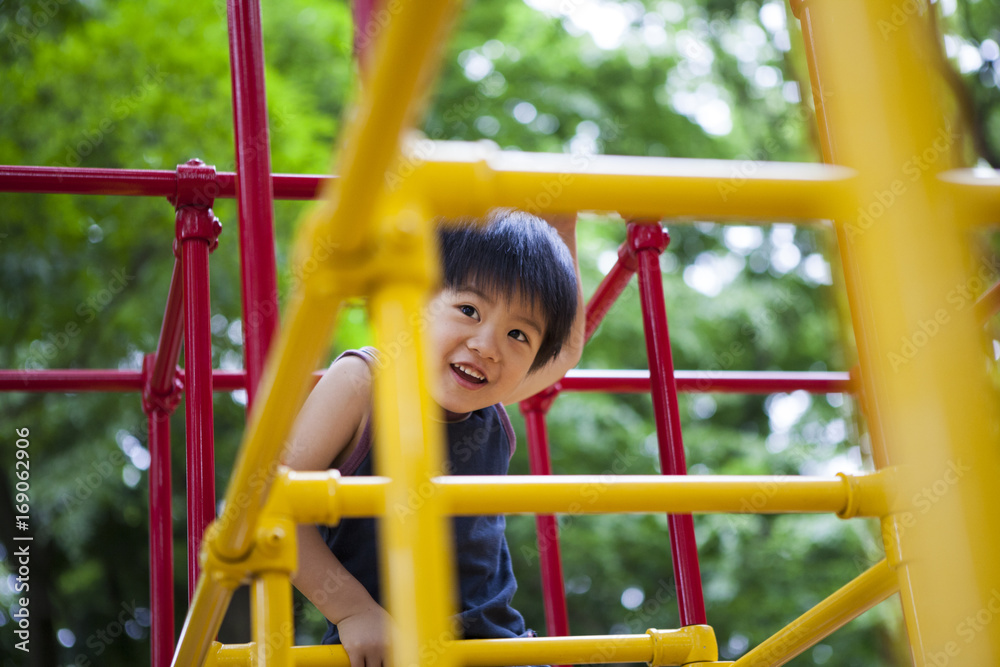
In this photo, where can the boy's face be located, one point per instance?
(484, 346)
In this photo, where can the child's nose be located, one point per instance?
(485, 343)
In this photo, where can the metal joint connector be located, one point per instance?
(647, 235)
(866, 495)
(690, 644)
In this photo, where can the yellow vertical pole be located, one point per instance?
(925, 389)
(272, 619)
(415, 531)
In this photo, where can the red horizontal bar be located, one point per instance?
(104, 380)
(140, 182)
(746, 382)
(624, 382)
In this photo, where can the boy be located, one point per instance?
(508, 323)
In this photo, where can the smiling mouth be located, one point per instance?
(468, 374)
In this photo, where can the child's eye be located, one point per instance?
(469, 311)
(517, 334)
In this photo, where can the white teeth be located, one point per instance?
(469, 371)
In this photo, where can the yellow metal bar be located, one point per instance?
(282, 390)
(272, 612)
(928, 402)
(661, 648)
(464, 179)
(208, 607)
(406, 59)
(416, 556)
(325, 497)
(870, 588)
(979, 194)
(303, 341)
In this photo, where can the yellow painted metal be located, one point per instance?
(873, 586)
(303, 341)
(659, 648)
(979, 194)
(208, 607)
(467, 179)
(415, 534)
(325, 497)
(929, 406)
(273, 620)
(406, 59)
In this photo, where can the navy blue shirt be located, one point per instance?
(480, 444)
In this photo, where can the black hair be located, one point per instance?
(515, 253)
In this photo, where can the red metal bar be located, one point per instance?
(161, 540)
(648, 241)
(610, 289)
(622, 382)
(168, 349)
(162, 390)
(256, 208)
(72, 381)
(741, 382)
(197, 234)
(142, 182)
(553, 590)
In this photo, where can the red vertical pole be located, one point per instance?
(647, 242)
(158, 408)
(253, 185)
(197, 232)
(161, 542)
(553, 590)
(534, 410)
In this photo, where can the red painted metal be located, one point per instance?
(161, 540)
(647, 241)
(610, 289)
(143, 182)
(366, 30)
(161, 392)
(256, 208)
(547, 528)
(741, 382)
(70, 380)
(163, 374)
(622, 382)
(197, 236)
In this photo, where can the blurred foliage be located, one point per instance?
(101, 84)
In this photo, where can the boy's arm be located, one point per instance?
(572, 349)
(329, 421)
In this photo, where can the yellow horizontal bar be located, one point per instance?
(465, 179)
(864, 592)
(979, 195)
(673, 647)
(324, 497)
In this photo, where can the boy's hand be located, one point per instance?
(365, 635)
